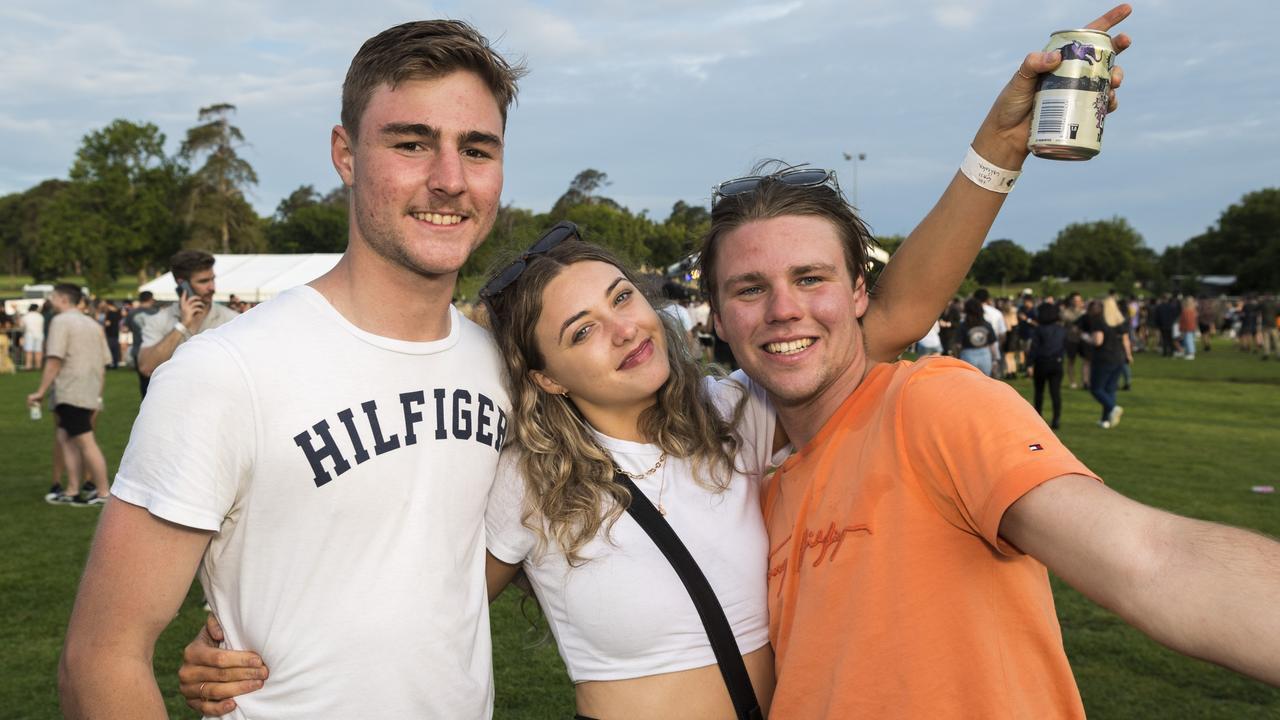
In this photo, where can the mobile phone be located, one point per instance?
(184, 289)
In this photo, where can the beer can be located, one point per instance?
(1071, 102)
(34, 410)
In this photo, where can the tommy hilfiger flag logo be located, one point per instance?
(1035, 447)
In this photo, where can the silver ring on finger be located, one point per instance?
(202, 695)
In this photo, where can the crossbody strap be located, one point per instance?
(723, 644)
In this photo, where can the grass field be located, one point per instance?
(1196, 436)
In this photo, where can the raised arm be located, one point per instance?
(1203, 589)
(139, 571)
(928, 267)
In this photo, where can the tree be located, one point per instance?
(1245, 242)
(305, 222)
(1101, 250)
(117, 212)
(1001, 261)
(23, 247)
(582, 191)
(218, 216)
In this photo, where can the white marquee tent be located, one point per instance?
(253, 277)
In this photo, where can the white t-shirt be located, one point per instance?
(625, 613)
(345, 476)
(996, 318)
(33, 324)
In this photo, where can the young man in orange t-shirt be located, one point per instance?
(911, 529)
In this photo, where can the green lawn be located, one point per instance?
(1195, 437)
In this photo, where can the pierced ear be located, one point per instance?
(549, 386)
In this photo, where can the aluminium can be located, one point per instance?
(1071, 102)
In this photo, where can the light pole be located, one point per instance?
(855, 158)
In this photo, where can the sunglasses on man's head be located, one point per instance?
(551, 238)
(795, 177)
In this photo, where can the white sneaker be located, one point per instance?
(1105, 425)
(1114, 418)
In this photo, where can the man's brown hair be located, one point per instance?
(771, 199)
(424, 50)
(186, 263)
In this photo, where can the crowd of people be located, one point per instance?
(72, 339)
(1090, 343)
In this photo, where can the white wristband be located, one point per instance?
(182, 329)
(986, 175)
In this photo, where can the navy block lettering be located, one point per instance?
(501, 432)
(411, 418)
(348, 421)
(461, 414)
(482, 420)
(442, 431)
(380, 445)
(329, 449)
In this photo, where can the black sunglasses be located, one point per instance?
(562, 231)
(796, 177)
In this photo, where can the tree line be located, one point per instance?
(126, 207)
(1245, 242)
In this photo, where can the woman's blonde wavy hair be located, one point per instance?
(569, 477)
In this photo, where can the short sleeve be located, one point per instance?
(187, 461)
(506, 537)
(756, 425)
(154, 327)
(59, 336)
(976, 446)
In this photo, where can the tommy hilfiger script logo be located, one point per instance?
(827, 542)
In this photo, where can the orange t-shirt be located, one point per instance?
(890, 591)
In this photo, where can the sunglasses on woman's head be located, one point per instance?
(551, 238)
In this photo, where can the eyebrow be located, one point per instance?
(579, 315)
(756, 276)
(471, 137)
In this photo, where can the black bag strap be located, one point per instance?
(723, 644)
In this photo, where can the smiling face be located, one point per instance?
(789, 309)
(425, 172)
(602, 343)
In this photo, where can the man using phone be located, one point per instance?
(194, 313)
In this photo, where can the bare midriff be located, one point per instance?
(697, 693)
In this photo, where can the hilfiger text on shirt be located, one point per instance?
(449, 415)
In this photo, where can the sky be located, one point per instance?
(669, 97)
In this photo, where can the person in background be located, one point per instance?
(1070, 313)
(7, 366)
(1027, 320)
(1250, 311)
(194, 313)
(1045, 352)
(75, 361)
(1188, 323)
(32, 338)
(110, 317)
(1009, 341)
(931, 343)
(1105, 332)
(949, 326)
(1270, 326)
(978, 345)
(138, 317)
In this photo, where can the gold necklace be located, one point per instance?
(662, 486)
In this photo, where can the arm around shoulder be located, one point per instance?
(1203, 589)
(138, 572)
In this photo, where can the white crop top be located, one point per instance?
(624, 613)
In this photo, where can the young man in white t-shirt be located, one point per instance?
(324, 462)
